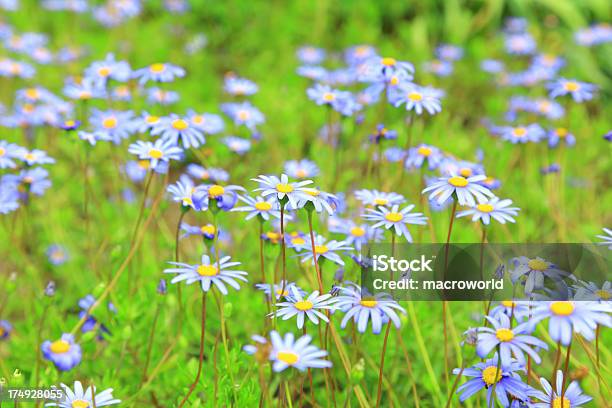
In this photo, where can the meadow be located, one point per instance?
(134, 137)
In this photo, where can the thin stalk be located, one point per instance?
(314, 251)
(382, 364)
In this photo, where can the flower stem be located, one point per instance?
(201, 359)
(382, 364)
(314, 252)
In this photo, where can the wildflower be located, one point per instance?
(208, 123)
(281, 289)
(522, 134)
(362, 308)
(145, 122)
(64, 353)
(510, 308)
(208, 274)
(183, 191)
(112, 125)
(567, 317)
(300, 354)
(325, 249)
(493, 208)
(8, 152)
(590, 291)
(359, 54)
(162, 96)
(606, 238)
(283, 189)
(239, 86)
(9, 196)
(57, 254)
(325, 95)
(214, 175)
(439, 67)
(492, 66)
(395, 218)
(174, 127)
(237, 145)
(572, 397)
(520, 44)
(259, 206)
(5, 329)
(50, 289)
(261, 349)
(381, 133)
(79, 398)
(449, 52)
(83, 90)
(375, 197)
(159, 151)
(317, 200)
(465, 189)
(305, 307)
(311, 55)
(312, 72)
(497, 377)
(158, 72)
(558, 135)
(385, 71)
(243, 114)
(357, 235)
(206, 231)
(225, 197)
(416, 98)
(579, 91)
(35, 156)
(535, 270)
(417, 156)
(34, 181)
(301, 168)
(101, 71)
(509, 340)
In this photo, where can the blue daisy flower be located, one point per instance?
(174, 127)
(523, 134)
(376, 198)
(465, 189)
(300, 169)
(259, 206)
(101, 71)
(560, 135)
(395, 218)
(606, 238)
(357, 235)
(494, 208)
(281, 289)
(579, 91)
(206, 231)
(32, 157)
(145, 122)
(243, 114)
(80, 398)
(283, 189)
(326, 249)
(438, 67)
(302, 306)
(571, 398)
(313, 72)
(158, 72)
(209, 273)
(449, 52)
(64, 353)
(591, 291)
(183, 191)
(157, 152)
(300, 354)
(162, 96)
(237, 145)
(57, 254)
(311, 55)
(362, 308)
(520, 44)
(212, 174)
(239, 86)
(208, 123)
(515, 309)
(8, 152)
(534, 271)
(112, 125)
(416, 98)
(421, 154)
(5, 329)
(508, 340)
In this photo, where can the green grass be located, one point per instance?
(258, 40)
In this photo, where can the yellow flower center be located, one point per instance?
(562, 132)
(263, 206)
(179, 124)
(415, 96)
(243, 115)
(144, 164)
(368, 303)
(80, 404)
(301, 173)
(394, 217)
(537, 265)
(284, 188)
(504, 335)
(465, 172)
(60, 347)
(562, 308)
(280, 292)
(216, 191)
(458, 181)
(104, 72)
(2, 151)
(544, 106)
(208, 229)
(571, 86)
(519, 132)
(298, 241)
(2, 331)
(508, 303)
(357, 232)
(32, 93)
(29, 156)
(287, 357)
(603, 294)
(321, 249)
(313, 192)
(491, 375)
(198, 119)
(207, 270)
(28, 180)
(485, 208)
(303, 305)
(122, 90)
(157, 68)
(394, 80)
(328, 97)
(561, 403)
(28, 108)
(109, 123)
(152, 119)
(273, 236)
(69, 123)
(85, 95)
(388, 62)
(156, 153)
(424, 151)
(381, 201)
